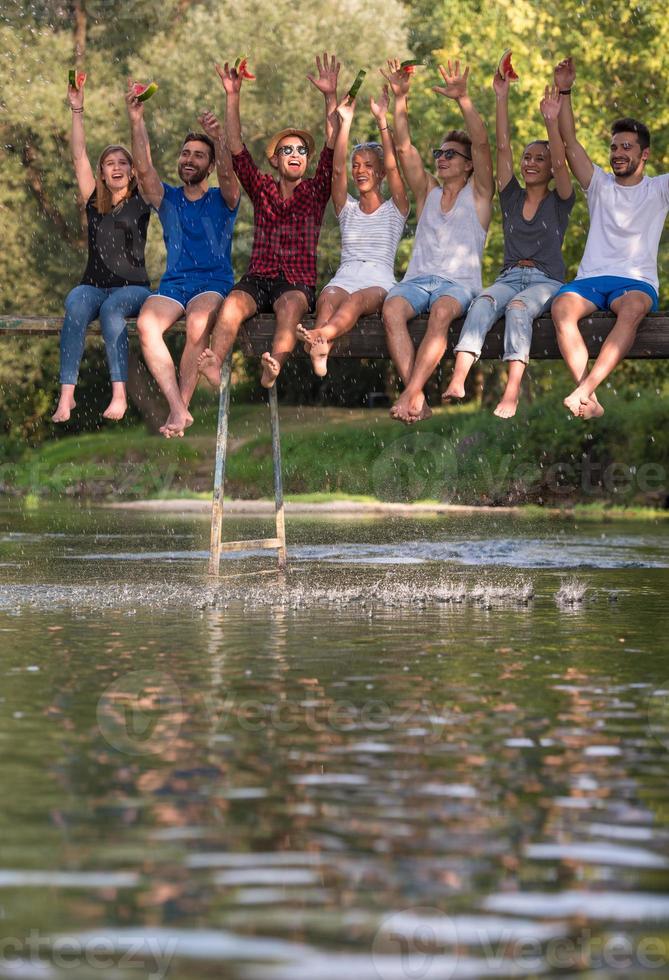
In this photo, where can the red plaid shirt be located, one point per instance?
(285, 233)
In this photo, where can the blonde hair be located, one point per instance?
(103, 197)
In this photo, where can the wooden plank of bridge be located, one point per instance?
(367, 340)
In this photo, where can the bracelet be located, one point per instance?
(565, 91)
(76, 110)
(382, 129)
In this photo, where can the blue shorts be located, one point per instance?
(182, 289)
(424, 291)
(603, 290)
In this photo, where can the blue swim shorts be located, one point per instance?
(182, 289)
(603, 290)
(424, 291)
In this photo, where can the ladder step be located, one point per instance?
(251, 544)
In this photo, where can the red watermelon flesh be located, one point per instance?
(144, 92)
(76, 79)
(505, 68)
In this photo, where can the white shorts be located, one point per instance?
(361, 275)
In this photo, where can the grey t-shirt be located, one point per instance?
(539, 239)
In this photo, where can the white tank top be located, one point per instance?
(370, 237)
(449, 245)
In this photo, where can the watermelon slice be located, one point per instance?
(355, 88)
(505, 68)
(242, 68)
(409, 66)
(76, 79)
(144, 92)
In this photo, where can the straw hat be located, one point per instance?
(306, 137)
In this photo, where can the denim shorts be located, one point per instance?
(604, 290)
(182, 289)
(424, 291)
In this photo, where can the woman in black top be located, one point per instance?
(115, 284)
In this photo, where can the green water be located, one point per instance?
(408, 760)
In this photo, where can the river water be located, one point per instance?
(437, 748)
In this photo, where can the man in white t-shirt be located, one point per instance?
(618, 270)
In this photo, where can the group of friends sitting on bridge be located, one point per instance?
(618, 270)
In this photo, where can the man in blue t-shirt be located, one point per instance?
(197, 229)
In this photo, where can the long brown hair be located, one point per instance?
(103, 198)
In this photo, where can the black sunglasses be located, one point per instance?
(449, 154)
(286, 151)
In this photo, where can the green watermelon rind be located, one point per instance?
(148, 91)
(355, 88)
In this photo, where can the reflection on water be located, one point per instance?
(449, 767)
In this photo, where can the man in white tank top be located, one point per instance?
(454, 210)
(618, 270)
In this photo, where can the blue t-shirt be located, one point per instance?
(197, 234)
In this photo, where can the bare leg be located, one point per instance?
(566, 311)
(456, 386)
(411, 405)
(396, 314)
(630, 309)
(238, 306)
(289, 309)
(200, 318)
(118, 405)
(364, 302)
(509, 403)
(65, 405)
(156, 316)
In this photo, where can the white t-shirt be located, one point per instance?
(625, 227)
(370, 237)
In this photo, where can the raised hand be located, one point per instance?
(564, 74)
(210, 125)
(135, 107)
(501, 85)
(346, 109)
(328, 73)
(551, 102)
(379, 106)
(398, 79)
(455, 81)
(232, 80)
(75, 97)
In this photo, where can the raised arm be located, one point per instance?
(502, 129)
(419, 180)
(550, 110)
(150, 186)
(326, 83)
(82, 165)
(455, 87)
(340, 159)
(398, 192)
(232, 83)
(579, 162)
(227, 181)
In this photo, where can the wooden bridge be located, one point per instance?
(366, 340)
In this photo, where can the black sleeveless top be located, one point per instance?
(116, 243)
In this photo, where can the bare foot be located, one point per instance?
(304, 335)
(411, 408)
(454, 393)
(176, 423)
(507, 407)
(209, 366)
(320, 348)
(592, 409)
(116, 408)
(270, 370)
(64, 409)
(425, 413)
(573, 401)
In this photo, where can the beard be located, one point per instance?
(196, 177)
(629, 169)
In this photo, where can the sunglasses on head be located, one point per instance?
(286, 151)
(449, 154)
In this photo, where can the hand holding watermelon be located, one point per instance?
(397, 78)
(75, 88)
(505, 69)
(232, 81)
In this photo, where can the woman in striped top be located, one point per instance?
(371, 228)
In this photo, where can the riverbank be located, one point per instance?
(461, 456)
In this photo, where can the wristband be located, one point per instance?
(76, 110)
(565, 91)
(382, 129)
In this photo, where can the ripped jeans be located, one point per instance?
(521, 294)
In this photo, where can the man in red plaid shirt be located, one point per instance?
(287, 214)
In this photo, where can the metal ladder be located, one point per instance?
(216, 544)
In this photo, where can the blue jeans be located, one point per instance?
(531, 288)
(111, 306)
